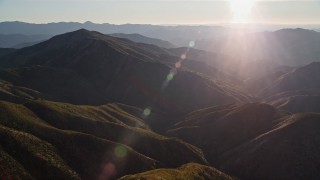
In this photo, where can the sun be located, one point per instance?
(241, 10)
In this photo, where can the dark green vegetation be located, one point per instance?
(84, 105)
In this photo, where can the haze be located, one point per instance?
(156, 11)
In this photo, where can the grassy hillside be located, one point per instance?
(190, 171)
(87, 138)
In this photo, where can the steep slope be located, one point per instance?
(85, 67)
(190, 171)
(304, 78)
(298, 103)
(143, 39)
(218, 129)
(255, 141)
(289, 151)
(89, 140)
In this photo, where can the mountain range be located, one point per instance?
(86, 105)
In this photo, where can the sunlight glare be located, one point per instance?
(241, 10)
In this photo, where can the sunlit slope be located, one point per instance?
(189, 171)
(85, 140)
(85, 67)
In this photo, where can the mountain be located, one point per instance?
(20, 40)
(178, 35)
(188, 171)
(143, 39)
(86, 67)
(286, 46)
(255, 141)
(85, 105)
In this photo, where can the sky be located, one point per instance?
(156, 11)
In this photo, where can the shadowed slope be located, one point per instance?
(219, 129)
(304, 78)
(288, 151)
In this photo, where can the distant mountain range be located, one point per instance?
(292, 47)
(85, 105)
(20, 40)
(286, 46)
(178, 35)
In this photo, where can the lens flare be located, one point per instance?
(120, 151)
(192, 44)
(147, 112)
(108, 171)
(183, 56)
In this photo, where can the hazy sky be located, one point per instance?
(155, 11)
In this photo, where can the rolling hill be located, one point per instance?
(81, 141)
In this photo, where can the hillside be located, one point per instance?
(218, 129)
(298, 103)
(289, 151)
(255, 141)
(190, 171)
(84, 140)
(303, 78)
